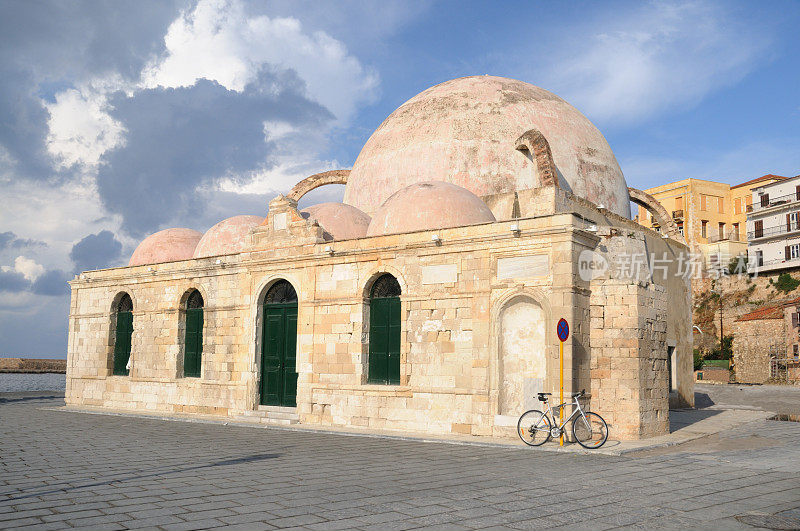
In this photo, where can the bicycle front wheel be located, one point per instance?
(590, 430)
(533, 427)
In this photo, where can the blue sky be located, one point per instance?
(118, 119)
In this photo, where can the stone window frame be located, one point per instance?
(405, 369)
(112, 330)
(503, 300)
(181, 330)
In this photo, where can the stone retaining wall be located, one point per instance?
(32, 365)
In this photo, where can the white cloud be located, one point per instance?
(28, 268)
(732, 165)
(80, 128)
(218, 41)
(658, 56)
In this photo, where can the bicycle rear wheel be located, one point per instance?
(590, 431)
(533, 427)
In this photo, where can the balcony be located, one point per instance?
(768, 232)
(677, 214)
(771, 202)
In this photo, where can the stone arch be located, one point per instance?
(662, 217)
(534, 142)
(376, 272)
(520, 350)
(317, 180)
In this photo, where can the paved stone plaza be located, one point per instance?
(61, 469)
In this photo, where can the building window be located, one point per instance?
(759, 258)
(721, 205)
(737, 205)
(680, 228)
(384, 331)
(793, 251)
(721, 231)
(679, 202)
(122, 335)
(796, 350)
(758, 227)
(193, 340)
(703, 202)
(793, 221)
(704, 228)
(764, 200)
(670, 364)
(735, 231)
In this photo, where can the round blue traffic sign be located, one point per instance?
(563, 330)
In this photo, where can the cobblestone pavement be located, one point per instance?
(61, 469)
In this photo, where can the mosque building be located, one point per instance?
(478, 214)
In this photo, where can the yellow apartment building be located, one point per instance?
(712, 216)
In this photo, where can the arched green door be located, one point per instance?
(122, 336)
(384, 331)
(193, 342)
(279, 346)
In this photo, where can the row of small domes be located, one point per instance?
(420, 206)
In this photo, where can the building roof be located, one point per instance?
(770, 311)
(464, 132)
(766, 177)
(429, 205)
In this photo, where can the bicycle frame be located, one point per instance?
(576, 411)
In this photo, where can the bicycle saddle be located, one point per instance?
(576, 395)
(543, 397)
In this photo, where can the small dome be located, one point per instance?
(226, 237)
(166, 246)
(429, 205)
(339, 221)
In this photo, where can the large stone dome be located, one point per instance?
(167, 245)
(229, 236)
(464, 131)
(339, 221)
(426, 206)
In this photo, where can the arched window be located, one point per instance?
(281, 292)
(193, 342)
(122, 335)
(384, 331)
(278, 386)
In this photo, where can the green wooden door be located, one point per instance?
(122, 343)
(384, 340)
(278, 355)
(193, 343)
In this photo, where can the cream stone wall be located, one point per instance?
(462, 303)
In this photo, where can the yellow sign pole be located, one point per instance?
(561, 382)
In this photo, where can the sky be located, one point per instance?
(122, 118)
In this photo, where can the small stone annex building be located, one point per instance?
(426, 301)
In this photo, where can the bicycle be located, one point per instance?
(588, 429)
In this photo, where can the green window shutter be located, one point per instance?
(272, 350)
(290, 363)
(384, 340)
(193, 344)
(122, 343)
(393, 343)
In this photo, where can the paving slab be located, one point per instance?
(128, 471)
